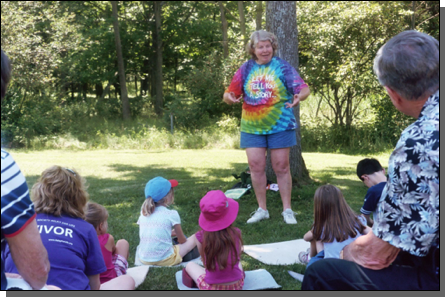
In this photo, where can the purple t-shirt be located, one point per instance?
(228, 274)
(73, 250)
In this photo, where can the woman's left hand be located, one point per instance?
(295, 102)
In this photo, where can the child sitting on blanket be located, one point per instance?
(335, 226)
(220, 245)
(155, 226)
(115, 254)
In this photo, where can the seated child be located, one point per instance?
(115, 255)
(373, 176)
(155, 226)
(220, 245)
(335, 226)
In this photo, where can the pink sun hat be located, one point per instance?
(217, 211)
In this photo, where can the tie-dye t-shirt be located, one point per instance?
(265, 89)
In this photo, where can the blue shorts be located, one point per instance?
(272, 141)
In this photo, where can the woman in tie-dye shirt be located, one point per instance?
(270, 87)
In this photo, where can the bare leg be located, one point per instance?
(194, 270)
(256, 158)
(123, 282)
(280, 165)
(123, 248)
(187, 246)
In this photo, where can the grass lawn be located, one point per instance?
(117, 179)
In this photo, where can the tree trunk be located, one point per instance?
(242, 21)
(259, 15)
(224, 30)
(158, 72)
(281, 20)
(120, 64)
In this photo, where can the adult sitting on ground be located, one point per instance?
(270, 88)
(402, 251)
(18, 226)
(60, 199)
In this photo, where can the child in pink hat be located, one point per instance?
(220, 245)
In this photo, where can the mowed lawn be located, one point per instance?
(117, 178)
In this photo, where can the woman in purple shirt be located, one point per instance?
(74, 252)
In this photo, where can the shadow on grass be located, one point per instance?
(124, 196)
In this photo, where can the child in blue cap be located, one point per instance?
(156, 223)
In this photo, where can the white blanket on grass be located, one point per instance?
(278, 253)
(138, 274)
(259, 279)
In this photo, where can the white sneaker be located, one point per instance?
(258, 215)
(289, 216)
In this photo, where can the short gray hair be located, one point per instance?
(409, 64)
(261, 35)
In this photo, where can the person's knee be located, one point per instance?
(123, 243)
(281, 168)
(257, 167)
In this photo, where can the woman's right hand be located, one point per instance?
(230, 98)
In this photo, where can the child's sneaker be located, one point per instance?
(258, 215)
(304, 256)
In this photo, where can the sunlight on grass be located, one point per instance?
(117, 178)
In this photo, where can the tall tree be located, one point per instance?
(259, 15)
(158, 74)
(224, 30)
(120, 63)
(281, 19)
(242, 21)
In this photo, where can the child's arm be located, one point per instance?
(309, 236)
(110, 245)
(179, 234)
(369, 221)
(366, 231)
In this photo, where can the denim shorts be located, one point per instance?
(272, 141)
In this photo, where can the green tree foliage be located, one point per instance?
(338, 42)
(65, 67)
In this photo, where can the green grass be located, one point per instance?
(117, 179)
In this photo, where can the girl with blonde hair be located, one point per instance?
(157, 224)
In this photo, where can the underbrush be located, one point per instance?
(138, 134)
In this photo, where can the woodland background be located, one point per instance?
(178, 57)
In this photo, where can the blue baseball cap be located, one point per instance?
(158, 187)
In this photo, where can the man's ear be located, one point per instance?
(394, 95)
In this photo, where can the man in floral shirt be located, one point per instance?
(402, 251)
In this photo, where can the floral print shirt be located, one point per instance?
(408, 210)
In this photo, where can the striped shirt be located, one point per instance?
(17, 208)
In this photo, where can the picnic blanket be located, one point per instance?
(138, 274)
(259, 279)
(278, 253)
